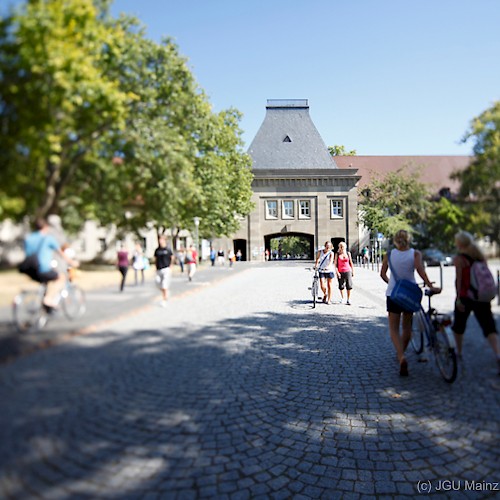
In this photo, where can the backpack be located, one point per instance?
(482, 284)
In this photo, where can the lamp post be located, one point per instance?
(196, 221)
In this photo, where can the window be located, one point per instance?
(102, 244)
(337, 209)
(271, 209)
(304, 209)
(288, 209)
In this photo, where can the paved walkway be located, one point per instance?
(239, 389)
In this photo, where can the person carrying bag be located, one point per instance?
(403, 294)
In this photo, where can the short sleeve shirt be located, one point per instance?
(44, 249)
(163, 257)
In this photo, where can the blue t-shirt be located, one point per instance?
(46, 251)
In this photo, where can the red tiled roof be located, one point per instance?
(436, 170)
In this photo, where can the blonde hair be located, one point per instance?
(342, 247)
(402, 239)
(468, 246)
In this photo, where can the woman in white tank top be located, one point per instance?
(405, 261)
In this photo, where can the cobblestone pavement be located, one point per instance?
(242, 390)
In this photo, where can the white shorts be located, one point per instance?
(163, 277)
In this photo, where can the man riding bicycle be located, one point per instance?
(43, 244)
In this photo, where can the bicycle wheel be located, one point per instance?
(73, 301)
(418, 332)
(28, 313)
(314, 289)
(446, 357)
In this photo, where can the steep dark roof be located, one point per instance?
(434, 170)
(288, 139)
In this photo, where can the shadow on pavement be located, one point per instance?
(271, 403)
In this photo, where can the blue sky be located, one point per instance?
(384, 77)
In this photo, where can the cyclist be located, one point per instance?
(324, 264)
(44, 245)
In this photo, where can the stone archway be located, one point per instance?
(292, 245)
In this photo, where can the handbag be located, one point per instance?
(405, 293)
(30, 265)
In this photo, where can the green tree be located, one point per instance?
(99, 122)
(341, 151)
(480, 181)
(55, 100)
(397, 201)
(444, 221)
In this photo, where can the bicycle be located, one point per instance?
(315, 287)
(432, 330)
(30, 314)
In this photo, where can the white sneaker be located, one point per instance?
(163, 303)
(348, 303)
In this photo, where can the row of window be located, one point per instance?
(303, 207)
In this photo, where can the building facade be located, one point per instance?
(298, 189)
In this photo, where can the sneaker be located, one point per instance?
(163, 303)
(348, 303)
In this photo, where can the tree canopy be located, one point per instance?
(100, 122)
(341, 151)
(480, 181)
(396, 201)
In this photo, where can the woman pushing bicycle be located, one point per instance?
(324, 264)
(405, 261)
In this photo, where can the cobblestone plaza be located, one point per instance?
(239, 389)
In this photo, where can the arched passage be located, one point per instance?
(289, 246)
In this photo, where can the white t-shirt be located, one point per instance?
(404, 264)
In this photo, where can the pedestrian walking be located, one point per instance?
(138, 263)
(181, 258)
(239, 255)
(122, 264)
(366, 255)
(345, 271)
(221, 257)
(325, 266)
(163, 259)
(469, 253)
(231, 257)
(404, 260)
(213, 256)
(191, 259)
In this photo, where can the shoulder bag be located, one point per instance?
(30, 265)
(405, 293)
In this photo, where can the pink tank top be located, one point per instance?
(343, 263)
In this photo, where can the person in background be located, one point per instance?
(239, 255)
(213, 256)
(325, 266)
(122, 264)
(181, 258)
(345, 271)
(163, 259)
(138, 263)
(405, 261)
(191, 259)
(468, 252)
(220, 257)
(71, 255)
(231, 257)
